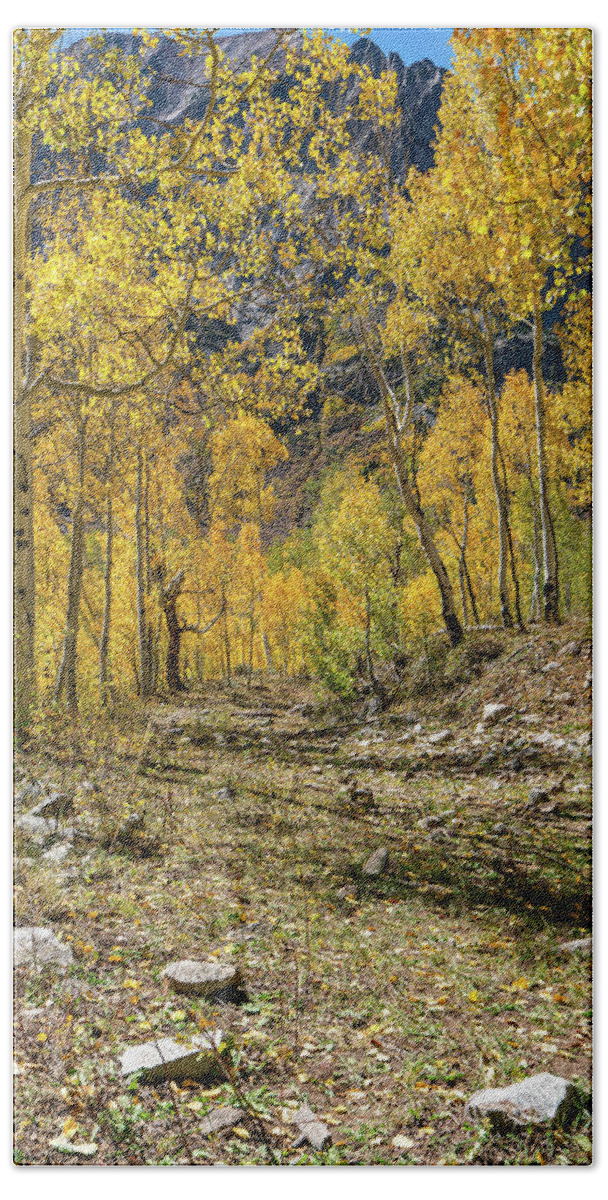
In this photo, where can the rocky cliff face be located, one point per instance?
(177, 90)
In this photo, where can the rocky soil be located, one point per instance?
(395, 891)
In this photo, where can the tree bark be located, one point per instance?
(411, 505)
(537, 554)
(267, 651)
(67, 676)
(498, 483)
(368, 646)
(23, 504)
(550, 562)
(226, 639)
(143, 631)
(170, 597)
(104, 643)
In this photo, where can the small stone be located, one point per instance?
(376, 862)
(166, 1059)
(226, 793)
(192, 978)
(56, 806)
(36, 946)
(84, 1149)
(364, 797)
(439, 835)
(374, 706)
(550, 666)
(549, 740)
(29, 792)
(571, 648)
(437, 738)
(578, 946)
(312, 1130)
(400, 1142)
(499, 827)
(538, 796)
(37, 829)
(431, 822)
(537, 1100)
(57, 853)
(493, 713)
(220, 1118)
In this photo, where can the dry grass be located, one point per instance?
(383, 1003)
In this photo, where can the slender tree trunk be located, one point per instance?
(145, 661)
(512, 564)
(536, 550)
(170, 597)
(23, 514)
(250, 659)
(550, 563)
(411, 505)
(267, 651)
(499, 491)
(368, 645)
(67, 676)
(104, 643)
(461, 563)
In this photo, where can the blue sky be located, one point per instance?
(411, 44)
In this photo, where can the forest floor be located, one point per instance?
(382, 1002)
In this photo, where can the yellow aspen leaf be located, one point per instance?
(70, 1127)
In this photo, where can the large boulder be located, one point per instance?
(538, 1100)
(166, 1059)
(209, 979)
(36, 946)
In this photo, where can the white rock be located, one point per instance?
(400, 1142)
(579, 945)
(220, 1118)
(437, 738)
(493, 713)
(549, 740)
(37, 829)
(202, 978)
(57, 853)
(83, 1149)
(167, 1059)
(311, 1128)
(537, 1100)
(37, 946)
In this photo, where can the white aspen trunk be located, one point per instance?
(104, 644)
(23, 504)
(145, 664)
(425, 533)
(550, 563)
(501, 506)
(68, 671)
